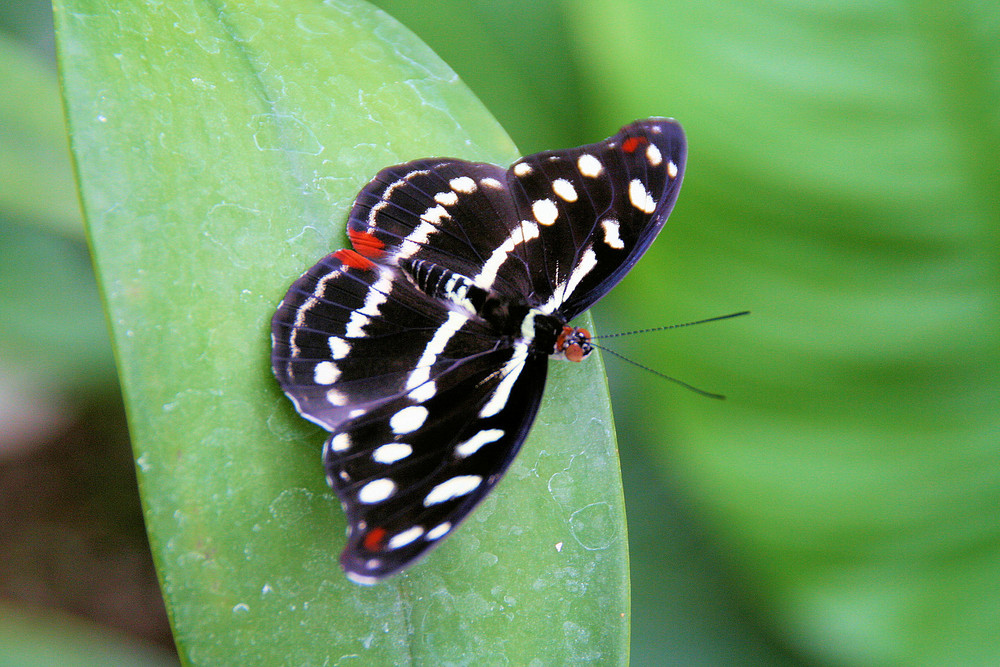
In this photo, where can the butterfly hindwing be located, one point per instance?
(406, 479)
(364, 353)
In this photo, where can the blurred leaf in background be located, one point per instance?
(46, 268)
(841, 185)
(72, 537)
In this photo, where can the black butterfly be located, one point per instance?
(423, 350)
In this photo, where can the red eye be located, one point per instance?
(575, 352)
(573, 343)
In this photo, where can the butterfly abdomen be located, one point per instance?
(439, 282)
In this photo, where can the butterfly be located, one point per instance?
(423, 348)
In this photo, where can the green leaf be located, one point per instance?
(30, 639)
(43, 247)
(218, 149)
(515, 55)
(37, 348)
(842, 185)
(36, 181)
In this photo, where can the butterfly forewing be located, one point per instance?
(423, 350)
(444, 211)
(598, 207)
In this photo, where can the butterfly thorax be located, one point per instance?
(512, 319)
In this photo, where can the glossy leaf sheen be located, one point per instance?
(219, 147)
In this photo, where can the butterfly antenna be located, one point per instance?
(671, 326)
(702, 392)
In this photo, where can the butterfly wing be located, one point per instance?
(426, 406)
(351, 336)
(559, 228)
(427, 399)
(443, 211)
(408, 473)
(598, 207)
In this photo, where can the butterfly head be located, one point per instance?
(573, 344)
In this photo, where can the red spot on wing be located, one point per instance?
(354, 260)
(375, 539)
(630, 144)
(366, 243)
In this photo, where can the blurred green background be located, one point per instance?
(840, 508)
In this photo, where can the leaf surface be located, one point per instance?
(219, 147)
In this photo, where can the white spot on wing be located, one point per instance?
(512, 369)
(392, 452)
(589, 165)
(339, 347)
(611, 237)
(337, 398)
(588, 260)
(408, 419)
(455, 487)
(356, 325)
(446, 198)
(564, 189)
(434, 215)
(406, 537)
(362, 579)
(522, 169)
(653, 155)
(326, 372)
(545, 211)
(378, 293)
(340, 442)
(423, 391)
(376, 491)
(671, 170)
(473, 444)
(416, 239)
(490, 183)
(463, 184)
(439, 531)
(435, 346)
(526, 232)
(639, 197)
